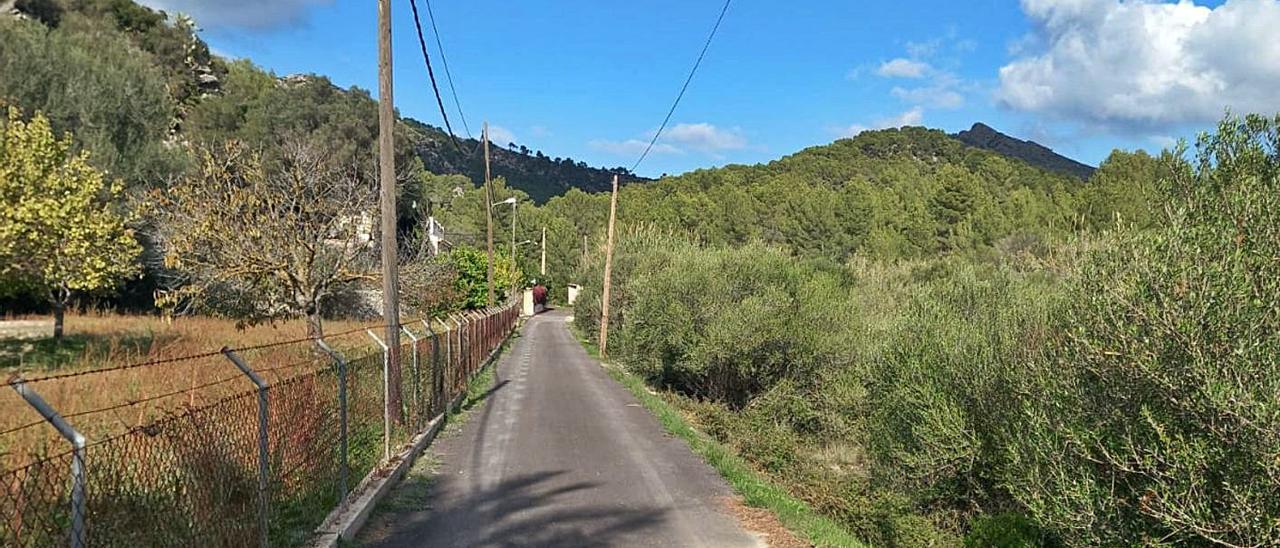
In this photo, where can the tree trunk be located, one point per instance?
(59, 309)
(59, 296)
(314, 329)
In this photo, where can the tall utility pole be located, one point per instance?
(488, 210)
(608, 272)
(543, 270)
(387, 188)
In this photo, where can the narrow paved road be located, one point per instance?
(562, 455)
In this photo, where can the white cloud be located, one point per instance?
(501, 136)
(679, 139)
(924, 49)
(912, 117)
(540, 131)
(903, 68)
(1164, 141)
(632, 147)
(1141, 65)
(705, 137)
(257, 14)
(938, 96)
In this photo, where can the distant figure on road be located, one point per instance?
(539, 298)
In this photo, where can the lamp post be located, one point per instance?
(512, 200)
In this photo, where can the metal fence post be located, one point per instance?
(448, 358)
(77, 454)
(436, 394)
(488, 327)
(417, 380)
(263, 455)
(460, 354)
(477, 342)
(471, 344)
(342, 415)
(386, 393)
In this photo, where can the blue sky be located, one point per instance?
(592, 80)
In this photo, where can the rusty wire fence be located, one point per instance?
(261, 465)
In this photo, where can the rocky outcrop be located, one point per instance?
(984, 137)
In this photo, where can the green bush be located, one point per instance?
(1157, 421)
(1006, 530)
(939, 386)
(730, 323)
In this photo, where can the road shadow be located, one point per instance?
(529, 510)
(471, 402)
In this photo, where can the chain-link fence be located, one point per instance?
(263, 466)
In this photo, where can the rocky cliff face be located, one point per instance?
(984, 137)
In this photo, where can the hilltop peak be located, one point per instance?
(988, 138)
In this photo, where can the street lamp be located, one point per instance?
(512, 201)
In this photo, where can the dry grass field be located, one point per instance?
(121, 388)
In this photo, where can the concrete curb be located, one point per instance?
(345, 521)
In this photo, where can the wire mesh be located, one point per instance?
(191, 478)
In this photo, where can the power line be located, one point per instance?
(448, 76)
(417, 22)
(679, 96)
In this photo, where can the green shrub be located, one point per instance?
(730, 323)
(1006, 530)
(1157, 422)
(939, 388)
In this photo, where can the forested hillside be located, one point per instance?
(90, 65)
(141, 94)
(539, 176)
(883, 195)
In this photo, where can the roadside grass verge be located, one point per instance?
(756, 490)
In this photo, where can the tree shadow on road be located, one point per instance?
(527, 510)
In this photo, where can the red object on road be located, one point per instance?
(540, 295)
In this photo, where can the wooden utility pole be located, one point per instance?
(387, 200)
(543, 270)
(488, 209)
(608, 272)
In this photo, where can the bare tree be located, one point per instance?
(259, 245)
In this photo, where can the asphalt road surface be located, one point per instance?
(561, 455)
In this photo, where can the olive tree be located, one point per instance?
(262, 245)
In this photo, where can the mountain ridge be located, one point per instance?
(988, 138)
(540, 176)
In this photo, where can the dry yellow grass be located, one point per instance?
(135, 396)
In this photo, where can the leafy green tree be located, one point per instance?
(61, 230)
(472, 267)
(1124, 190)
